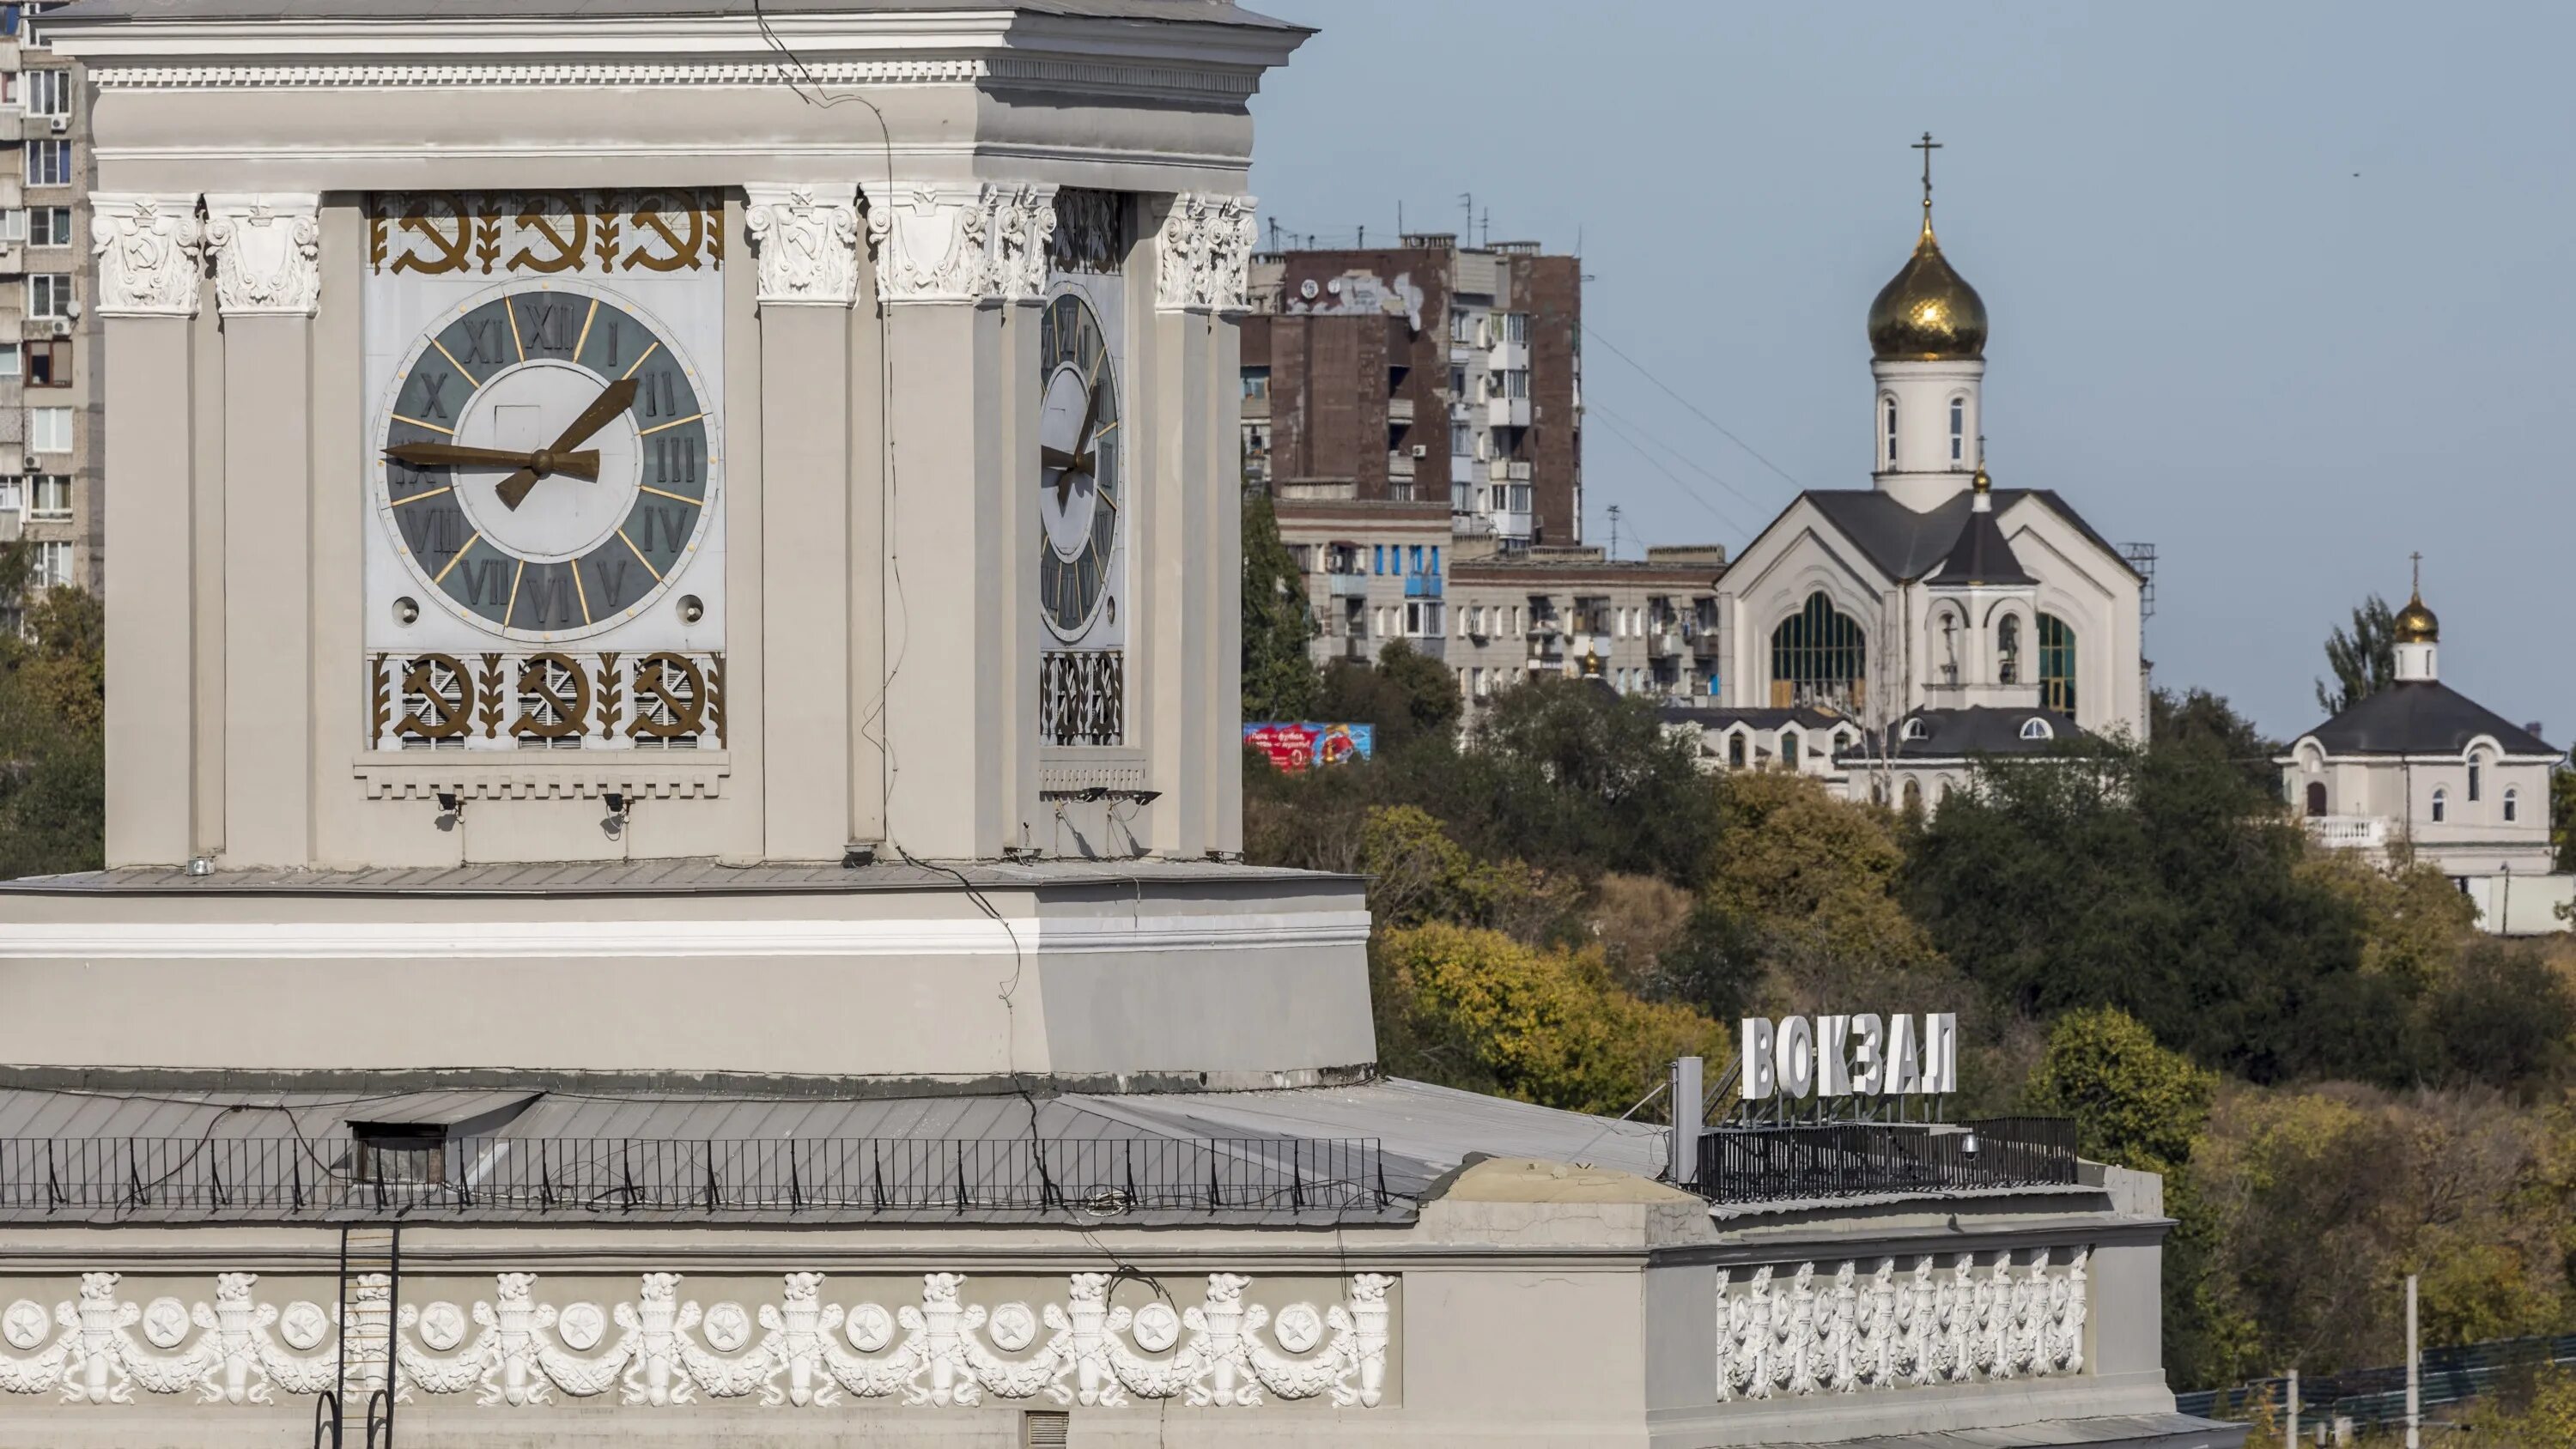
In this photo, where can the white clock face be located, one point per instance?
(547, 469)
(1080, 481)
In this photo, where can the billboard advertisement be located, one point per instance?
(1302, 746)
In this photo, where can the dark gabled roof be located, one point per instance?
(1982, 557)
(1952, 734)
(2422, 717)
(1909, 545)
(1719, 717)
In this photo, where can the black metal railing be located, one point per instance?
(1850, 1159)
(2374, 1396)
(504, 1177)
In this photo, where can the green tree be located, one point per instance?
(2197, 714)
(53, 779)
(1479, 1010)
(2363, 658)
(2562, 817)
(2159, 881)
(1404, 696)
(1278, 678)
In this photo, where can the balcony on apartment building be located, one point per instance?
(1399, 465)
(1507, 412)
(1399, 411)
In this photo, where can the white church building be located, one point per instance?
(2418, 766)
(1885, 637)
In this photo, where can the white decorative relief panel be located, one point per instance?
(1890, 1330)
(808, 243)
(665, 1346)
(268, 253)
(1206, 245)
(150, 250)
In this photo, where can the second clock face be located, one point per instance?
(547, 467)
(1080, 487)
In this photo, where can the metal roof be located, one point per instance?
(2422, 717)
(1910, 545)
(689, 876)
(1201, 12)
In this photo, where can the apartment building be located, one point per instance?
(1644, 627)
(1422, 373)
(1375, 570)
(50, 393)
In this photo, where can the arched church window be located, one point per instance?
(1958, 429)
(2056, 664)
(1889, 406)
(2036, 729)
(1790, 748)
(2008, 650)
(1735, 750)
(1913, 796)
(2512, 804)
(2441, 804)
(2474, 781)
(2316, 799)
(1819, 657)
(1915, 729)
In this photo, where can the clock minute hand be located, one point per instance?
(447, 455)
(618, 397)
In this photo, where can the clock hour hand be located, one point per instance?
(447, 455)
(618, 397)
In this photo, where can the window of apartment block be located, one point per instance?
(1515, 382)
(49, 495)
(49, 226)
(9, 364)
(1514, 326)
(49, 294)
(49, 364)
(1462, 327)
(49, 163)
(1457, 382)
(53, 564)
(1462, 440)
(1256, 382)
(47, 92)
(13, 495)
(49, 430)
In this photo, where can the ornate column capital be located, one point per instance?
(150, 250)
(932, 241)
(268, 252)
(1206, 254)
(1023, 227)
(807, 238)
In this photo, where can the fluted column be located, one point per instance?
(813, 582)
(268, 283)
(150, 253)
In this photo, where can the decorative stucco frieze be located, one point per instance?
(932, 242)
(268, 253)
(151, 253)
(1890, 1331)
(663, 1347)
(1206, 245)
(1053, 72)
(808, 243)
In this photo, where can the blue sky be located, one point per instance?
(2288, 290)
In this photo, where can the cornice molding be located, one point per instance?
(268, 252)
(1002, 72)
(151, 253)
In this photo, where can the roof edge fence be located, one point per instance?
(267, 1179)
(1854, 1159)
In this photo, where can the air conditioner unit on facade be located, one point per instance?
(1422, 450)
(28, 463)
(62, 124)
(62, 327)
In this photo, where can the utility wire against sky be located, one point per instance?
(1622, 433)
(1595, 334)
(1637, 433)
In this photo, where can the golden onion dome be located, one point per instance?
(2416, 624)
(1927, 312)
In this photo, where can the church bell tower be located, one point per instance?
(1927, 341)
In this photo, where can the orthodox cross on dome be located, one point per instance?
(2417, 558)
(1927, 146)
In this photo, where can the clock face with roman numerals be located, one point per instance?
(548, 466)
